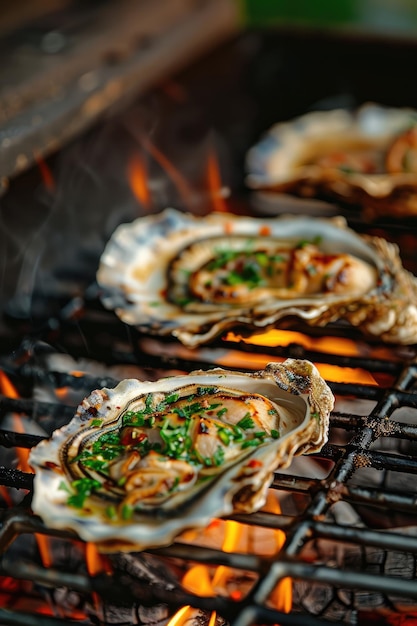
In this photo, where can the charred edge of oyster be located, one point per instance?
(301, 403)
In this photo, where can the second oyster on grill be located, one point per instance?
(194, 277)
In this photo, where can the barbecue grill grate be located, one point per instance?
(368, 467)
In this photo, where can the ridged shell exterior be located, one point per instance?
(280, 160)
(135, 280)
(295, 386)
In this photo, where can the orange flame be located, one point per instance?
(44, 549)
(327, 345)
(231, 540)
(281, 597)
(180, 616)
(138, 180)
(215, 184)
(7, 388)
(61, 393)
(197, 579)
(177, 178)
(46, 173)
(96, 563)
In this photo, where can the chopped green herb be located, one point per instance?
(127, 512)
(275, 434)
(246, 422)
(250, 443)
(111, 512)
(218, 456)
(238, 434)
(224, 435)
(175, 483)
(221, 412)
(176, 438)
(83, 487)
(202, 391)
(100, 465)
(213, 406)
(305, 242)
(262, 258)
(64, 487)
(134, 418)
(173, 397)
(182, 301)
(96, 422)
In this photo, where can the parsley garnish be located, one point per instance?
(83, 487)
(246, 422)
(218, 456)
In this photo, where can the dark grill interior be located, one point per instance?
(348, 514)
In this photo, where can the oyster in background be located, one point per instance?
(366, 158)
(195, 277)
(142, 462)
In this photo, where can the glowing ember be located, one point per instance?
(327, 345)
(231, 540)
(198, 581)
(281, 597)
(8, 389)
(138, 180)
(215, 184)
(47, 176)
(180, 616)
(96, 563)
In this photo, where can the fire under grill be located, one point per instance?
(337, 538)
(346, 516)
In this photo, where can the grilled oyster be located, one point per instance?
(142, 462)
(176, 274)
(365, 157)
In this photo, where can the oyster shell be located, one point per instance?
(366, 157)
(142, 462)
(192, 277)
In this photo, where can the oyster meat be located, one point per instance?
(366, 157)
(142, 462)
(194, 277)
